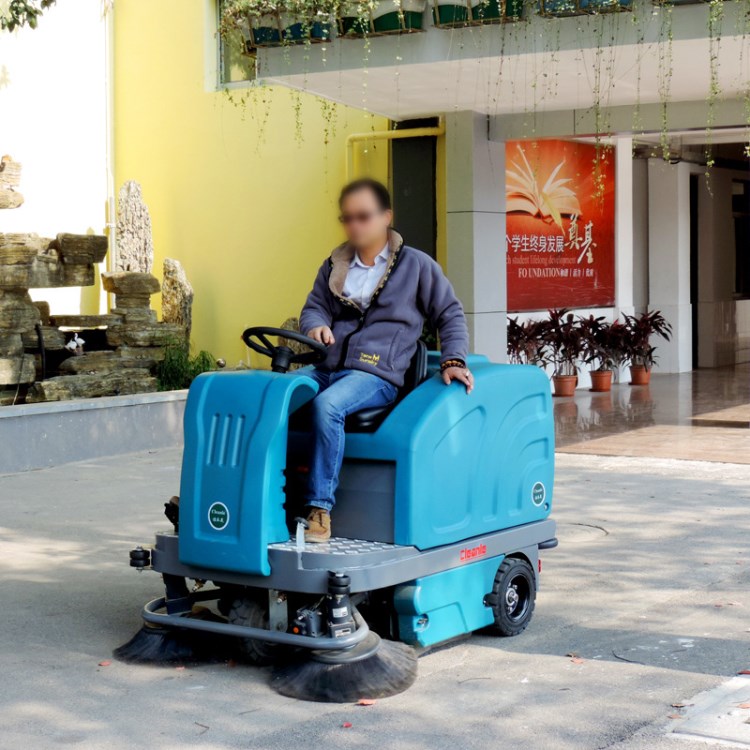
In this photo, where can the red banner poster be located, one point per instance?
(560, 225)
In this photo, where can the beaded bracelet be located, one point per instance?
(453, 363)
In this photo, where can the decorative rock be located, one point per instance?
(136, 314)
(135, 249)
(130, 282)
(53, 338)
(17, 312)
(10, 199)
(143, 354)
(9, 397)
(15, 370)
(107, 361)
(43, 308)
(11, 344)
(143, 334)
(10, 173)
(132, 301)
(66, 387)
(12, 254)
(177, 296)
(82, 248)
(82, 322)
(32, 262)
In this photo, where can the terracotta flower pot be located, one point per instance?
(639, 375)
(565, 385)
(601, 380)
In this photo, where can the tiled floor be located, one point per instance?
(703, 416)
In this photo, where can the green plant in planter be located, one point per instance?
(178, 369)
(563, 341)
(640, 330)
(526, 344)
(604, 344)
(272, 22)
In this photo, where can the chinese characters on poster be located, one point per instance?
(560, 225)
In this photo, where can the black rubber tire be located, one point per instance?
(513, 597)
(249, 612)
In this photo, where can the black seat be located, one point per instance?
(368, 420)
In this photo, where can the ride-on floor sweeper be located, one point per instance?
(440, 515)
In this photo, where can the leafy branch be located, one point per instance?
(23, 13)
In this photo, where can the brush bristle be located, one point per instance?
(152, 645)
(389, 671)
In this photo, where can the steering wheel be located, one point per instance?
(282, 357)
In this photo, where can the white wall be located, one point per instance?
(54, 119)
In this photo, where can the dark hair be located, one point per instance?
(380, 191)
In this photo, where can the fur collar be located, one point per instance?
(342, 256)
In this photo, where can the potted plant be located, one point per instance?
(526, 342)
(562, 337)
(267, 23)
(495, 11)
(450, 13)
(640, 353)
(362, 17)
(603, 349)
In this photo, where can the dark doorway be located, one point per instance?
(413, 171)
(694, 187)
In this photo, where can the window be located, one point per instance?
(236, 65)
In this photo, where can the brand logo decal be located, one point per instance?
(218, 516)
(470, 553)
(369, 359)
(538, 493)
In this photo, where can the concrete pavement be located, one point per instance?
(648, 590)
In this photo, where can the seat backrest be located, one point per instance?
(417, 371)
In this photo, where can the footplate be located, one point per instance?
(370, 565)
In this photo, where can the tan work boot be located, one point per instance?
(319, 522)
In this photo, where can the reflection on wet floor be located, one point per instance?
(658, 420)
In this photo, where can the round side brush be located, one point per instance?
(374, 669)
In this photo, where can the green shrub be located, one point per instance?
(178, 369)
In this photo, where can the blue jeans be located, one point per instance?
(341, 393)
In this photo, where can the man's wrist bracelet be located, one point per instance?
(453, 363)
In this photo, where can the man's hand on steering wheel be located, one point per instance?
(322, 334)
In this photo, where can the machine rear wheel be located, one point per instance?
(252, 614)
(513, 596)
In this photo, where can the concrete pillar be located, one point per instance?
(716, 316)
(475, 229)
(669, 260)
(623, 226)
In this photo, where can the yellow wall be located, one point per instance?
(249, 211)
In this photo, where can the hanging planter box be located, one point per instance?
(605, 6)
(449, 15)
(264, 31)
(565, 8)
(495, 11)
(276, 29)
(387, 17)
(299, 30)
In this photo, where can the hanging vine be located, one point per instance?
(664, 75)
(715, 18)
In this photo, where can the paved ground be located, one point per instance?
(649, 589)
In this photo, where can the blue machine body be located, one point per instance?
(465, 465)
(232, 486)
(436, 608)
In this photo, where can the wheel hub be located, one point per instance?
(511, 598)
